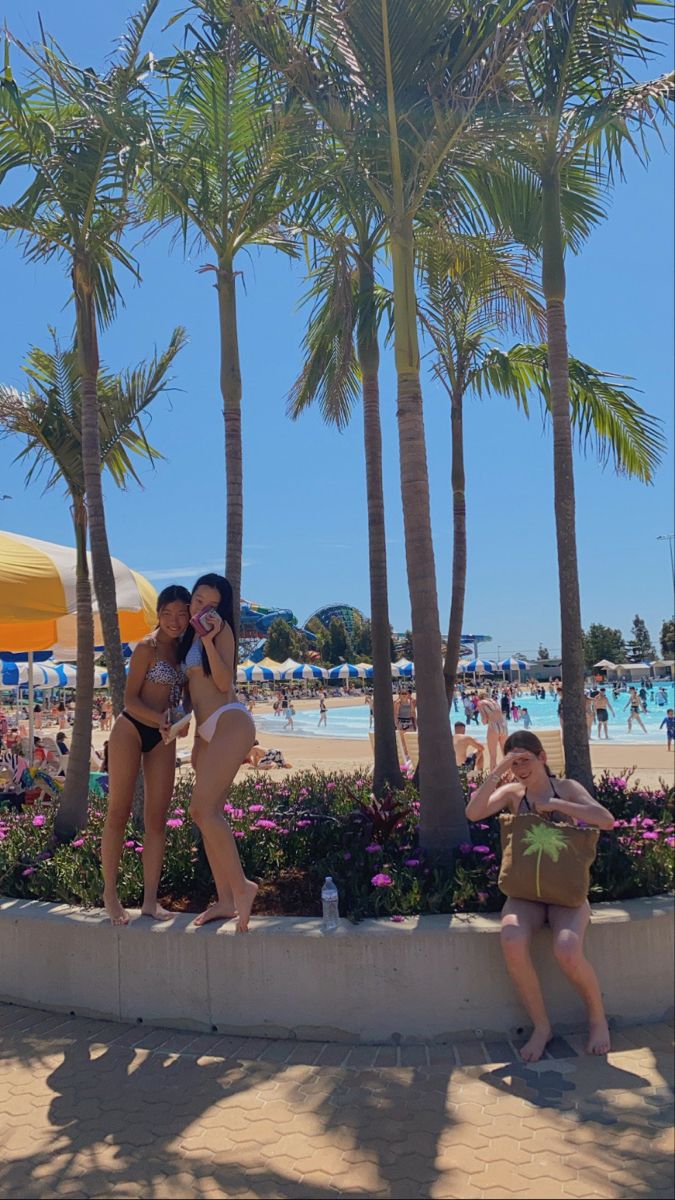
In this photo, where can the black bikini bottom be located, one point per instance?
(150, 737)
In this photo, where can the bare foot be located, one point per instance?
(244, 905)
(215, 912)
(117, 914)
(534, 1048)
(598, 1038)
(156, 912)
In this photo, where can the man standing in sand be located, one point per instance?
(602, 710)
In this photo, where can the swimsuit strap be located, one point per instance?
(526, 801)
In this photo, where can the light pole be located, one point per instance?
(670, 538)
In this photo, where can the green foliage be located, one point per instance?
(306, 826)
(408, 650)
(667, 639)
(542, 653)
(362, 640)
(641, 647)
(602, 642)
(283, 642)
(341, 649)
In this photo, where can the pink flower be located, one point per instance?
(180, 812)
(138, 849)
(330, 786)
(651, 834)
(412, 862)
(648, 823)
(360, 782)
(129, 845)
(237, 833)
(373, 848)
(397, 918)
(303, 824)
(39, 820)
(482, 849)
(381, 880)
(78, 842)
(265, 824)
(174, 823)
(465, 847)
(346, 856)
(256, 808)
(28, 871)
(670, 841)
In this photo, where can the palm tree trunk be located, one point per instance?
(442, 820)
(71, 814)
(386, 768)
(104, 578)
(575, 732)
(459, 556)
(230, 387)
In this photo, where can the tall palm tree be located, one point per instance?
(47, 417)
(476, 291)
(225, 145)
(578, 109)
(81, 139)
(342, 359)
(399, 83)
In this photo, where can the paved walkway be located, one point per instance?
(94, 1109)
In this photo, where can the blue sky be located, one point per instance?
(305, 508)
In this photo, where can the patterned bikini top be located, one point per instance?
(163, 672)
(193, 658)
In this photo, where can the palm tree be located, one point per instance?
(342, 360)
(81, 138)
(48, 419)
(544, 840)
(578, 109)
(220, 172)
(476, 290)
(398, 83)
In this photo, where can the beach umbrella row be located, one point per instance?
(513, 664)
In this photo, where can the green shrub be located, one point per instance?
(298, 829)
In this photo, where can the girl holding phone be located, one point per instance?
(155, 683)
(225, 736)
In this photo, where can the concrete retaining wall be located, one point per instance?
(428, 978)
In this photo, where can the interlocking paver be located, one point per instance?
(96, 1109)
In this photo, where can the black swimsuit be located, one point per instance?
(150, 737)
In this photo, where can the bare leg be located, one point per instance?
(219, 762)
(520, 920)
(641, 723)
(492, 744)
(569, 928)
(159, 772)
(124, 760)
(226, 897)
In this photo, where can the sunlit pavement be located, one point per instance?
(95, 1109)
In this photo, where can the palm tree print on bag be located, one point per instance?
(543, 840)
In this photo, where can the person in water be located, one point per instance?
(532, 788)
(224, 739)
(154, 684)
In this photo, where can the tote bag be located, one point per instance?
(545, 861)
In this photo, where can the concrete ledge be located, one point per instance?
(427, 979)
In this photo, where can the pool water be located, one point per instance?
(353, 721)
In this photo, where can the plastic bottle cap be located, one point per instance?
(328, 879)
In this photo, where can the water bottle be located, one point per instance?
(329, 904)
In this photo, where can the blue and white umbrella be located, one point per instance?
(18, 675)
(305, 671)
(513, 664)
(347, 671)
(478, 665)
(255, 675)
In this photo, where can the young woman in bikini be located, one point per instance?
(154, 684)
(225, 736)
(497, 729)
(532, 788)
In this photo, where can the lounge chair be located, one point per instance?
(552, 743)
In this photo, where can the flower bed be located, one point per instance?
(294, 831)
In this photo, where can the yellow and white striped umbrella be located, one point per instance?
(38, 602)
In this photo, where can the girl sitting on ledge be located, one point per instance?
(533, 789)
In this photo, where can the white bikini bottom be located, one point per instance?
(208, 728)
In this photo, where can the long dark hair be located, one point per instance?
(225, 610)
(523, 739)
